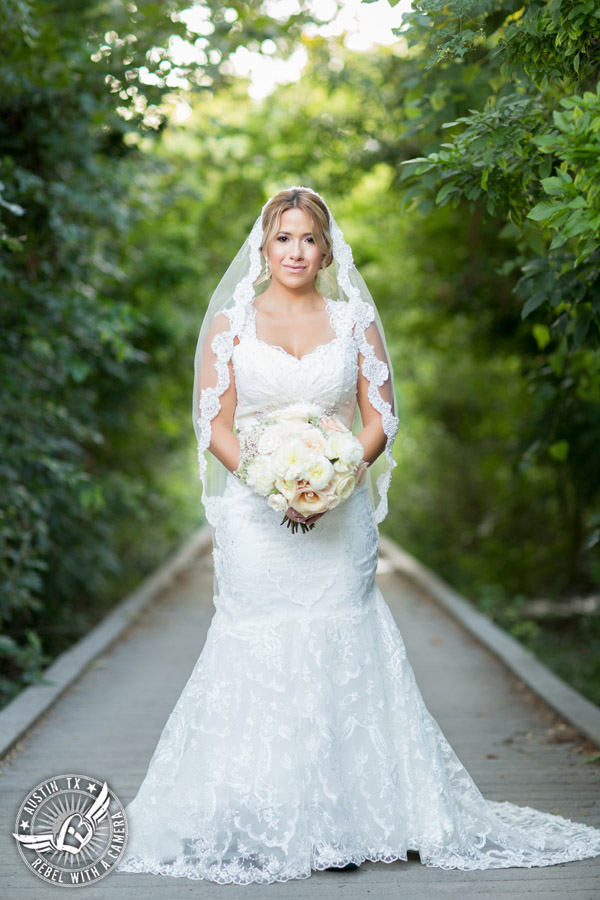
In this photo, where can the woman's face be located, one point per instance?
(293, 256)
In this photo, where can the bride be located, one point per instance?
(301, 740)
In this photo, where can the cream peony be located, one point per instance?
(260, 475)
(346, 449)
(291, 460)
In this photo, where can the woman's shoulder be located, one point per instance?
(218, 335)
(348, 315)
(221, 322)
(338, 308)
(224, 321)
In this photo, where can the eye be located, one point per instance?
(282, 237)
(312, 240)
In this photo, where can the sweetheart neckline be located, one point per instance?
(291, 355)
(280, 349)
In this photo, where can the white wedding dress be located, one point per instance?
(301, 739)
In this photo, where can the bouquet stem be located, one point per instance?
(291, 523)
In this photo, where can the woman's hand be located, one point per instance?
(295, 516)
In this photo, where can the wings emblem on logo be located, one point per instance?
(75, 832)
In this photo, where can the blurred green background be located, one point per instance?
(463, 165)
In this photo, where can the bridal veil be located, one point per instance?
(237, 288)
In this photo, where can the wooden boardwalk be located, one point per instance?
(107, 725)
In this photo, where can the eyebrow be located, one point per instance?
(289, 232)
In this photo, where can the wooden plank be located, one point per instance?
(32, 702)
(568, 703)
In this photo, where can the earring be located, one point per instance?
(267, 266)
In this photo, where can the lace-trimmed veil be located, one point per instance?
(232, 295)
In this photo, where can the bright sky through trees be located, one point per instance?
(364, 24)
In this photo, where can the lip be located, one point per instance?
(294, 268)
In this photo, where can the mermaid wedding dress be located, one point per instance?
(301, 739)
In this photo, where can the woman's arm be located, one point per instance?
(224, 444)
(372, 436)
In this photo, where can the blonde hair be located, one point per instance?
(317, 212)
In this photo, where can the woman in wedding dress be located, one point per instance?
(301, 740)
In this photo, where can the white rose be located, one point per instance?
(344, 485)
(313, 438)
(286, 488)
(277, 502)
(260, 475)
(319, 473)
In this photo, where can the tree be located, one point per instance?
(83, 96)
(529, 154)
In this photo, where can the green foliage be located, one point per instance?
(552, 41)
(570, 647)
(519, 148)
(574, 208)
(525, 152)
(93, 344)
(22, 663)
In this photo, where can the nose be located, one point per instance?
(296, 250)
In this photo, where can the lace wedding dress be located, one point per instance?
(301, 739)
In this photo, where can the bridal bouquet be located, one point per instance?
(303, 459)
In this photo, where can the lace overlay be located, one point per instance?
(301, 739)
